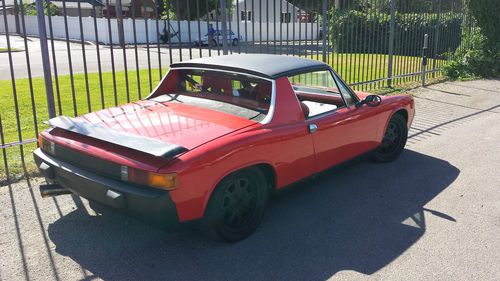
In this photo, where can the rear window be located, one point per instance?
(237, 94)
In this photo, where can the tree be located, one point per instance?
(178, 8)
(30, 9)
(482, 58)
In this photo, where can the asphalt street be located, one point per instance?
(433, 214)
(164, 56)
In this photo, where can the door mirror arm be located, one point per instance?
(370, 101)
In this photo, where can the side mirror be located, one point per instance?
(370, 101)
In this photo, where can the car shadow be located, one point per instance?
(357, 217)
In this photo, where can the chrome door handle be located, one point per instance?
(312, 128)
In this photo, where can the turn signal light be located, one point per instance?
(156, 180)
(46, 145)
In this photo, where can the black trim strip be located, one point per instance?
(143, 144)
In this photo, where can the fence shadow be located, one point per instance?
(360, 217)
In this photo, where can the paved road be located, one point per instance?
(76, 51)
(434, 214)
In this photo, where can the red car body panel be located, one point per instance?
(220, 144)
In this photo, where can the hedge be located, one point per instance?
(358, 32)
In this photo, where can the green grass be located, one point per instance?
(366, 70)
(2, 50)
(25, 102)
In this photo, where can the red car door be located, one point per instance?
(342, 135)
(339, 129)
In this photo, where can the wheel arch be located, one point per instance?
(266, 168)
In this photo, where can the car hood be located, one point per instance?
(176, 123)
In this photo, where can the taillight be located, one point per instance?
(156, 180)
(46, 145)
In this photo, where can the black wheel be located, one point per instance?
(394, 140)
(235, 42)
(237, 206)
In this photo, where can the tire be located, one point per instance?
(394, 140)
(236, 206)
(235, 42)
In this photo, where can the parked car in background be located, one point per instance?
(216, 138)
(232, 39)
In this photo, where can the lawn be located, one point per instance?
(2, 50)
(369, 67)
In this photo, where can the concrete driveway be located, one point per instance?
(434, 214)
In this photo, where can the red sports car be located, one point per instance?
(216, 137)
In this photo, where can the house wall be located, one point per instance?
(103, 34)
(270, 10)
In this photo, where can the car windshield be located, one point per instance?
(237, 94)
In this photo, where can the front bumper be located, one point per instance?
(148, 204)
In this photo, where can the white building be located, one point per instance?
(270, 11)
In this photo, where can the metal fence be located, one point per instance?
(82, 56)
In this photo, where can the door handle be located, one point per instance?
(312, 128)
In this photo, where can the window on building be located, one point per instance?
(285, 17)
(246, 16)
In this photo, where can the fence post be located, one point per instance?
(45, 58)
(436, 39)
(391, 42)
(323, 31)
(424, 58)
(119, 22)
(16, 17)
(224, 26)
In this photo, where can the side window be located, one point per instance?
(317, 92)
(349, 99)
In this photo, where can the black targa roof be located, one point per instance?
(269, 66)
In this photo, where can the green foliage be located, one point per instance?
(481, 58)
(181, 12)
(361, 32)
(30, 9)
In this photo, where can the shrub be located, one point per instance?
(358, 32)
(482, 57)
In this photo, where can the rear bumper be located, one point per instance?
(148, 204)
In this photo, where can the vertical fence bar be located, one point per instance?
(157, 16)
(54, 59)
(267, 27)
(391, 42)
(217, 33)
(136, 53)
(294, 22)
(28, 64)
(13, 83)
(253, 26)
(323, 31)
(110, 36)
(188, 17)
(281, 26)
(208, 29)
(70, 62)
(167, 32)
(42, 32)
(224, 25)
(287, 19)
(199, 26)
(98, 50)
(238, 21)
(4, 150)
(178, 28)
(245, 22)
(119, 22)
(148, 55)
(274, 25)
(84, 56)
(260, 26)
